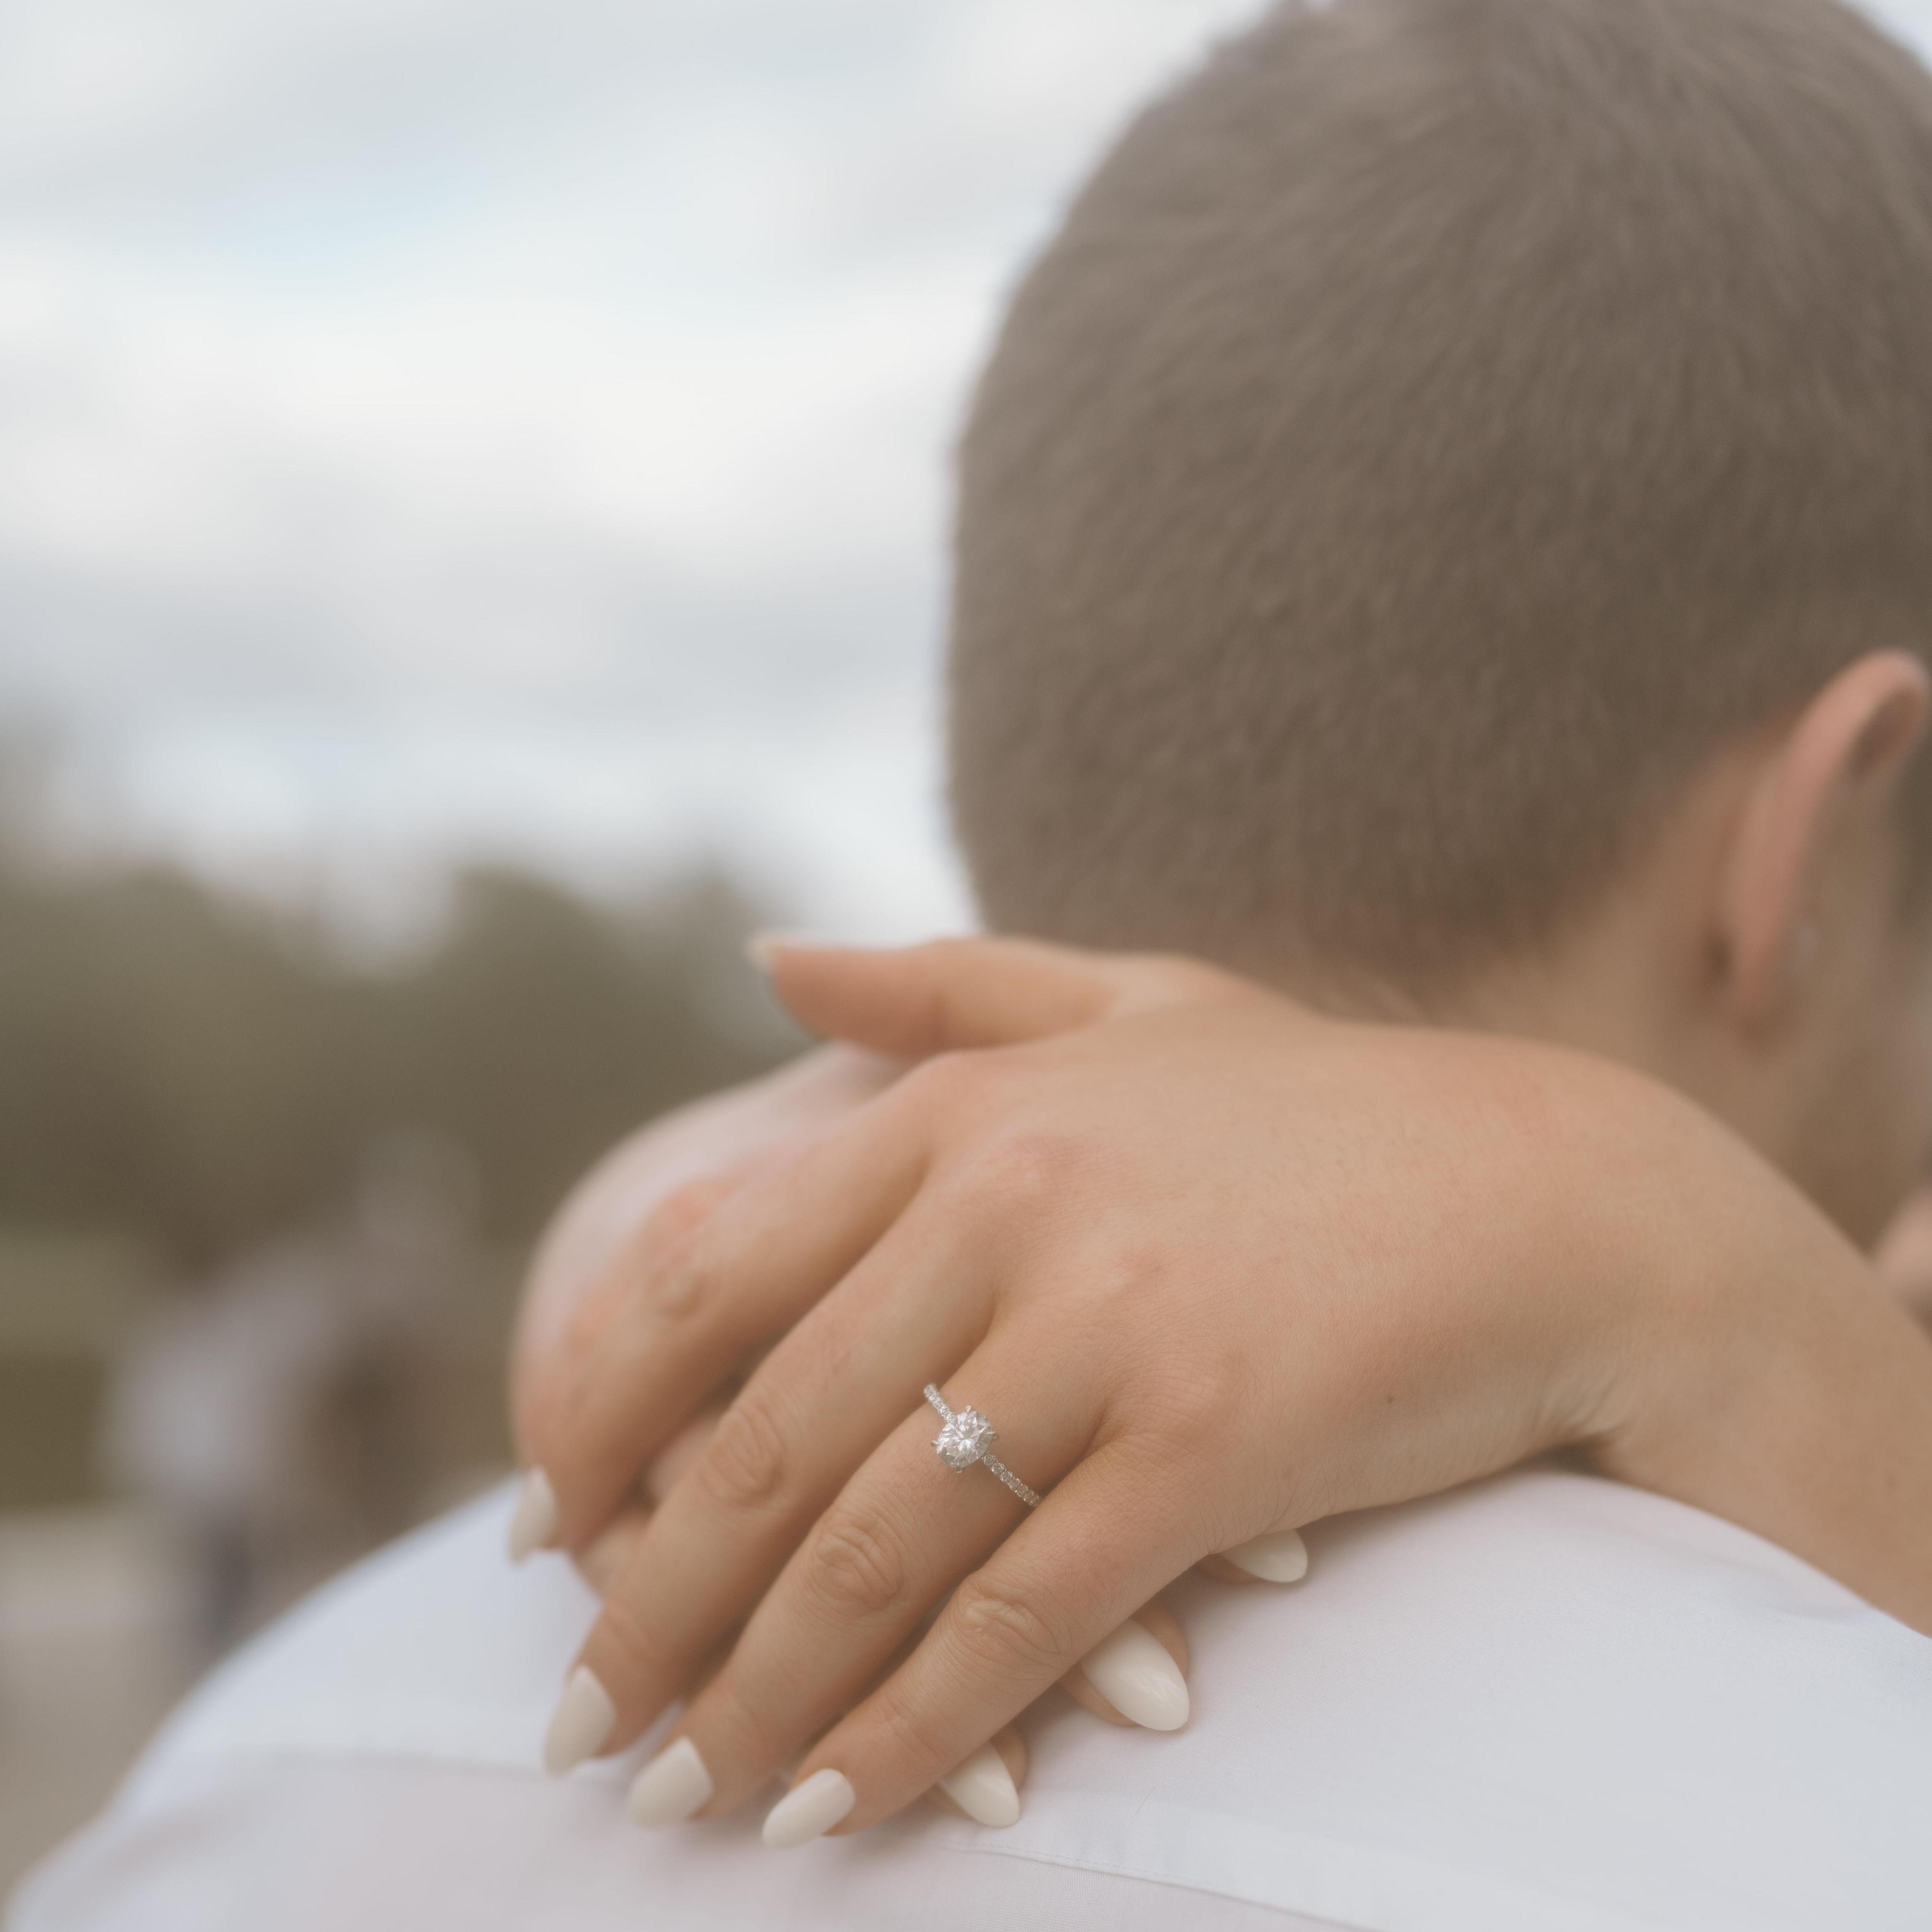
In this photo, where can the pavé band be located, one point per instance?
(968, 1438)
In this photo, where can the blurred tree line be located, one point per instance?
(197, 1071)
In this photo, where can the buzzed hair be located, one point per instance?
(1437, 426)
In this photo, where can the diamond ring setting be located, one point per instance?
(967, 1438)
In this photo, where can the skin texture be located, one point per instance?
(656, 1189)
(1219, 1264)
(1905, 1258)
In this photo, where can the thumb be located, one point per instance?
(954, 994)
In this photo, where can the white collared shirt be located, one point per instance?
(1543, 1703)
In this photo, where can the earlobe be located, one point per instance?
(1835, 765)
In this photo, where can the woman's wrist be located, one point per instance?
(1763, 1375)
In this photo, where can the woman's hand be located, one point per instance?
(691, 1160)
(1216, 1267)
(663, 1179)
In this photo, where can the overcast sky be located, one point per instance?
(434, 427)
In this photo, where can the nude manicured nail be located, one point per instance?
(1133, 1673)
(763, 947)
(672, 1785)
(983, 1788)
(533, 1521)
(810, 1809)
(582, 1721)
(1282, 1558)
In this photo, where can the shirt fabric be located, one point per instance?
(1542, 1703)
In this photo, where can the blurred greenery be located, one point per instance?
(195, 1071)
(190, 1076)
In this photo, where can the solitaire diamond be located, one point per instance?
(966, 1437)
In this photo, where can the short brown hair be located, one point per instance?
(1436, 425)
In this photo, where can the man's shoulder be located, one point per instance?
(1545, 1700)
(434, 1648)
(437, 1648)
(1542, 1702)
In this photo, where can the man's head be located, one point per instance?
(1417, 509)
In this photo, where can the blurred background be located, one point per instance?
(472, 489)
(472, 497)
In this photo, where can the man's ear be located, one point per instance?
(1831, 772)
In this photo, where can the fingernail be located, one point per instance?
(533, 1521)
(764, 945)
(1136, 1675)
(672, 1785)
(983, 1788)
(579, 1725)
(1282, 1558)
(810, 1809)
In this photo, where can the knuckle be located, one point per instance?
(679, 1278)
(745, 1463)
(682, 1211)
(1029, 1167)
(673, 1254)
(1185, 1412)
(1176, 1417)
(1008, 1632)
(682, 1283)
(944, 1082)
(855, 1565)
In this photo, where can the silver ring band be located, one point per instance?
(968, 1438)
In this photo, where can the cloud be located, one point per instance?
(428, 424)
(434, 425)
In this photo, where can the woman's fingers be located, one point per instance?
(1279, 1557)
(952, 995)
(604, 1558)
(726, 1138)
(1138, 1675)
(939, 998)
(669, 1465)
(897, 1539)
(986, 1787)
(1050, 1595)
(731, 1261)
(694, 1307)
(830, 1392)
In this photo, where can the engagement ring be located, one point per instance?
(968, 1438)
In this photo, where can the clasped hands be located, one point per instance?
(1216, 1266)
